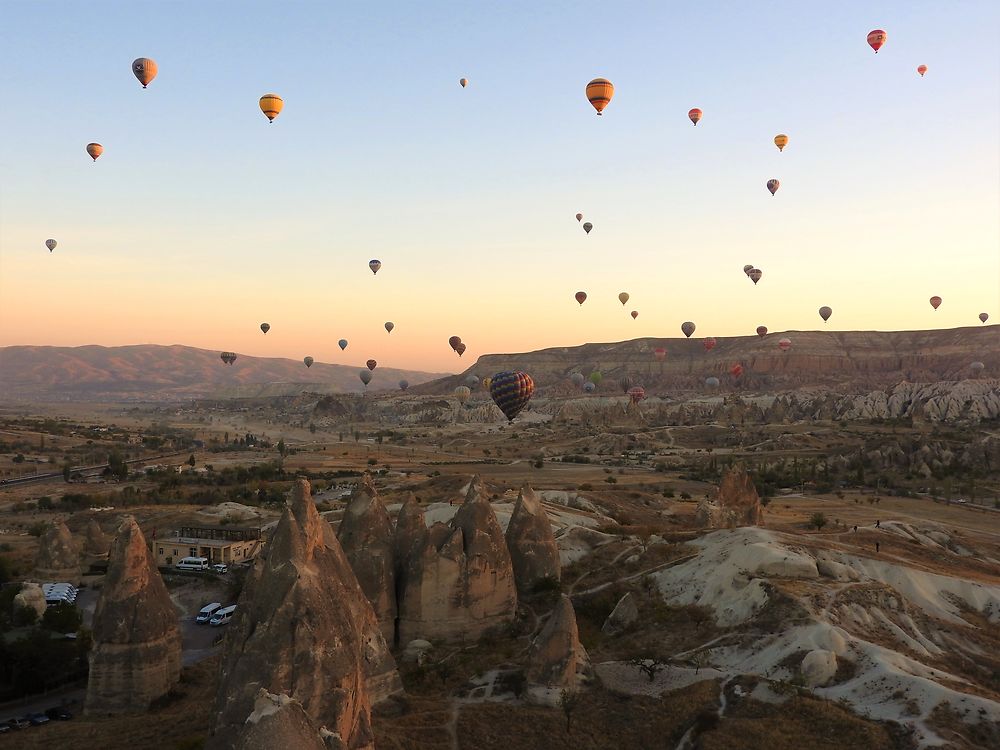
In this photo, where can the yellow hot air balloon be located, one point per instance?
(144, 69)
(599, 92)
(270, 105)
(781, 140)
(95, 150)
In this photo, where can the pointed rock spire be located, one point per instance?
(532, 545)
(58, 557)
(557, 658)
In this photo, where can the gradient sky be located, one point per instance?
(201, 220)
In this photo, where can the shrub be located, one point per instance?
(818, 520)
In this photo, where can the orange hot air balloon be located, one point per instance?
(660, 354)
(371, 364)
(921, 69)
(935, 302)
(144, 69)
(634, 314)
(785, 344)
(876, 38)
(581, 297)
(762, 331)
(599, 92)
(694, 115)
(464, 82)
(781, 140)
(271, 105)
(709, 343)
(95, 150)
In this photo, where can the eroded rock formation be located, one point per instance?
(278, 721)
(533, 551)
(557, 658)
(58, 557)
(625, 613)
(30, 597)
(736, 503)
(96, 542)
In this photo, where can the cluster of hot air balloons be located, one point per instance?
(228, 357)
(754, 274)
(457, 345)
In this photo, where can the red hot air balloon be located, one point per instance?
(921, 69)
(636, 394)
(736, 370)
(460, 348)
(660, 354)
(876, 38)
(687, 328)
(634, 314)
(935, 302)
(372, 364)
(785, 344)
(755, 275)
(762, 331)
(709, 343)
(694, 115)
(511, 391)
(581, 297)
(454, 341)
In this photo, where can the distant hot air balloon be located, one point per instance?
(709, 343)
(579, 217)
(403, 384)
(921, 69)
(587, 226)
(781, 140)
(265, 327)
(634, 314)
(762, 331)
(785, 344)
(51, 245)
(463, 82)
(454, 341)
(876, 39)
(983, 317)
(625, 382)
(342, 344)
(462, 393)
(755, 275)
(228, 357)
(747, 269)
(389, 326)
(308, 361)
(271, 105)
(660, 354)
(687, 328)
(460, 348)
(977, 367)
(636, 394)
(589, 387)
(511, 391)
(825, 313)
(736, 370)
(472, 381)
(371, 364)
(773, 185)
(366, 377)
(144, 69)
(581, 297)
(577, 379)
(935, 302)
(95, 150)
(599, 92)
(374, 265)
(596, 377)
(623, 298)
(694, 115)
(712, 382)
(486, 383)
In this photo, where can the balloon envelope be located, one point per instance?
(785, 344)
(403, 384)
(694, 115)
(579, 217)
(712, 382)
(747, 269)
(342, 344)
(625, 382)
(935, 302)
(636, 394)
(587, 226)
(511, 391)
(472, 381)
(462, 393)
(460, 348)
(709, 343)
(454, 341)
(95, 150)
(773, 185)
(265, 327)
(660, 354)
(977, 367)
(762, 331)
(577, 379)
(389, 326)
(876, 38)
(921, 69)
(755, 275)
(623, 297)
(588, 387)
(634, 314)
(374, 265)
(983, 317)
(781, 140)
(581, 297)
(371, 364)
(599, 93)
(463, 82)
(596, 377)
(736, 370)
(271, 105)
(308, 361)
(365, 376)
(51, 245)
(144, 69)
(825, 312)
(687, 328)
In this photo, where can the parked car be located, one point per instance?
(18, 723)
(222, 616)
(220, 568)
(58, 714)
(206, 612)
(37, 719)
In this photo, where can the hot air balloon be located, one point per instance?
(589, 387)
(694, 115)
(736, 370)
(454, 341)
(876, 39)
(486, 383)
(308, 361)
(785, 344)
(462, 393)
(389, 326)
(747, 269)
(762, 331)
(625, 382)
(825, 313)
(596, 377)
(95, 150)
(366, 377)
(579, 217)
(709, 343)
(460, 348)
(977, 367)
(472, 381)
(687, 328)
(755, 275)
(587, 226)
(403, 384)
(144, 69)
(712, 382)
(265, 327)
(636, 394)
(342, 344)
(228, 357)
(634, 314)
(781, 140)
(371, 364)
(660, 354)
(983, 317)
(921, 69)
(577, 379)
(623, 298)
(374, 265)
(270, 105)
(773, 185)
(599, 92)
(51, 245)
(511, 391)
(581, 297)
(935, 302)
(463, 82)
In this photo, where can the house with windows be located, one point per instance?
(219, 544)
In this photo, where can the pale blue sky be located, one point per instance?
(200, 219)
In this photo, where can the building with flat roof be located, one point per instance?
(219, 544)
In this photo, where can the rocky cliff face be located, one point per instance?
(366, 535)
(736, 503)
(533, 551)
(137, 645)
(557, 658)
(278, 721)
(305, 629)
(58, 556)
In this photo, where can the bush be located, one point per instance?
(610, 480)
(818, 520)
(38, 528)
(685, 496)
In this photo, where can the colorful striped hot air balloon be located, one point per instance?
(773, 185)
(462, 393)
(271, 105)
(694, 115)
(511, 391)
(371, 364)
(144, 69)
(599, 93)
(876, 38)
(781, 140)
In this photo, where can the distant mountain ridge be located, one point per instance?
(151, 372)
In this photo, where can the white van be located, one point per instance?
(222, 616)
(192, 563)
(206, 612)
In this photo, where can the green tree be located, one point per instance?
(67, 471)
(818, 520)
(568, 701)
(117, 466)
(190, 461)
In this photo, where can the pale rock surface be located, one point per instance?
(837, 571)
(557, 658)
(96, 542)
(736, 503)
(136, 656)
(818, 667)
(625, 613)
(532, 545)
(278, 721)
(58, 556)
(30, 596)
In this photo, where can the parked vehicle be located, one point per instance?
(58, 714)
(192, 563)
(220, 568)
(37, 719)
(222, 616)
(18, 723)
(206, 612)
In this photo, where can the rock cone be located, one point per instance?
(532, 545)
(58, 557)
(96, 542)
(736, 503)
(557, 658)
(278, 721)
